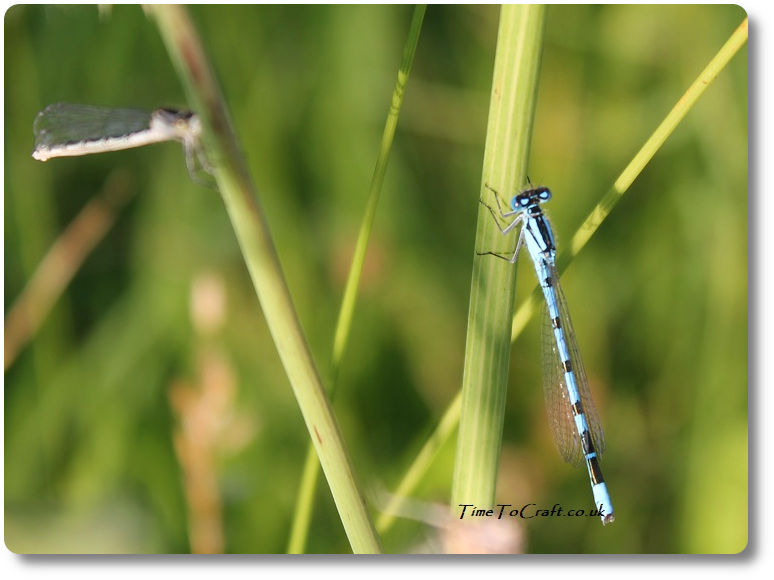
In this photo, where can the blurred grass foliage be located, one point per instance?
(659, 296)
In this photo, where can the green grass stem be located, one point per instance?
(305, 502)
(240, 198)
(487, 352)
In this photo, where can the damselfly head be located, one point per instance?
(184, 124)
(530, 197)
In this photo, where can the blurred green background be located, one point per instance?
(136, 422)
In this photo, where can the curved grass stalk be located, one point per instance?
(305, 501)
(239, 196)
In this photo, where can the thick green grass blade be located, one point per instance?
(487, 352)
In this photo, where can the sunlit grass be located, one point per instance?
(506, 158)
(658, 295)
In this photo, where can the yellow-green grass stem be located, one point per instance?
(487, 351)
(305, 501)
(251, 229)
